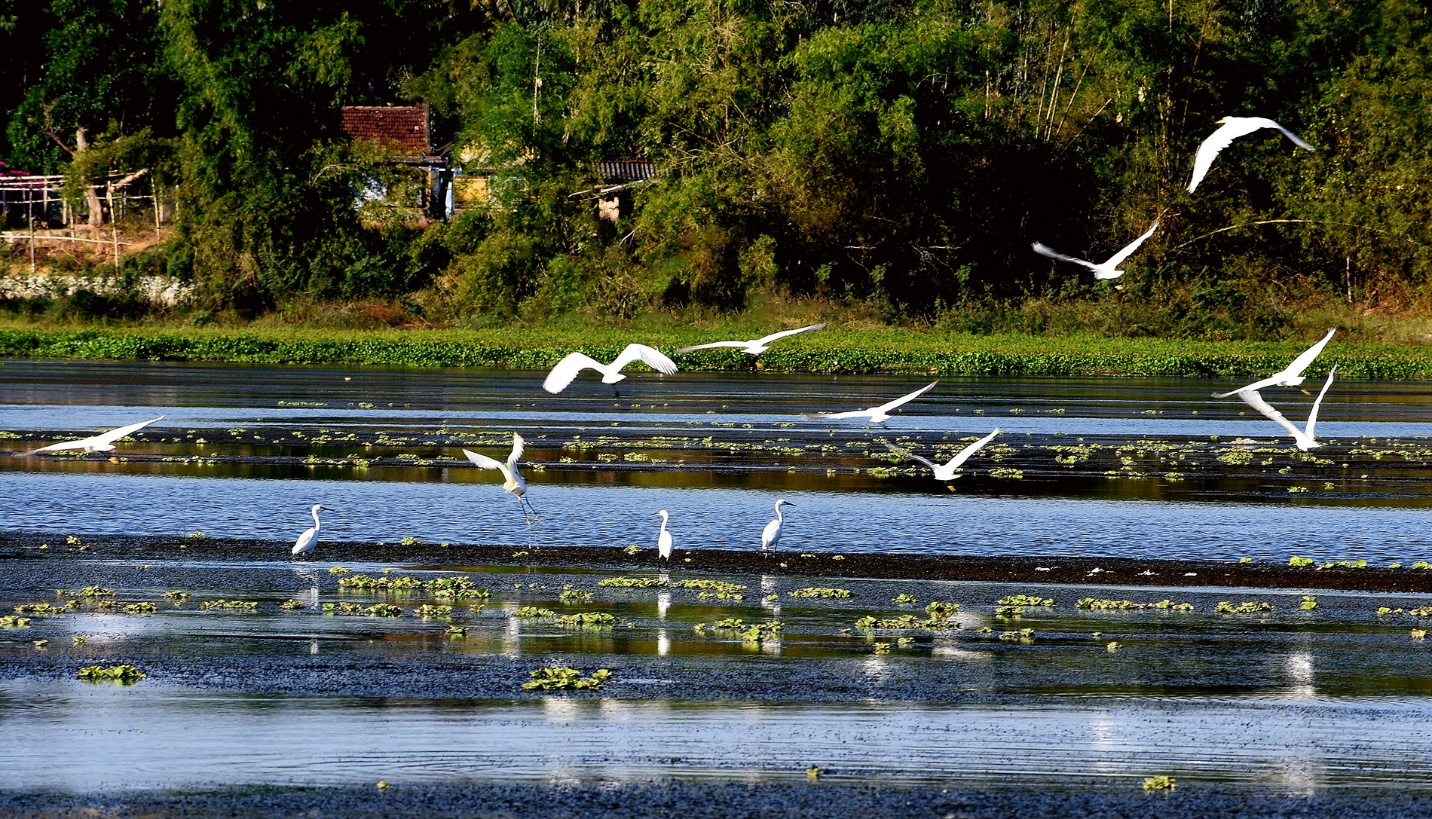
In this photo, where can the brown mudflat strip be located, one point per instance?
(1080, 570)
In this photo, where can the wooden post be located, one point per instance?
(32, 243)
(154, 188)
(115, 228)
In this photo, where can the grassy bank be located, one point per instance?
(834, 350)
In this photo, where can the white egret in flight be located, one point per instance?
(771, 535)
(877, 415)
(514, 482)
(104, 442)
(567, 369)
(1290, 376)
(308, 541)
(949, 471)
(1233, 128)
(663, 540)
(1304, 438)
(1107, 270)
(755, 346)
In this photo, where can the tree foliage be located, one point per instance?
(904, 152)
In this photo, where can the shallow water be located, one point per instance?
(1289, 701)
(1081, 470)
(1285, 744)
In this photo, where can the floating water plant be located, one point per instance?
(1309, 603)
(1247, 607)
(457, 632)
(633, 582)
(1024, 635)
(1343, 564)
(456, 587)
(1300, 562)
(90, 592)
(555, 678)
(881, 648)
(195, 535)
(1008, 612)
(339, 570)
(632, 549)
(124, 674)
(533, 613)
(409, 541)
(1095, 604)
(717, 589)
(140, 608)
(14, 621)
(585, 620)
(571, 596)
(383, 610)
(1160, 783)
(904, 600)
(430, 612)
(384, 583)
(1420, 611)
(292, 605)
(821, 591)
(1026, 600)
(1113, 646)
(177, 596)
(41, 609)
(232, 605)
(78, 640)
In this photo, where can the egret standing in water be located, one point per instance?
(663, 540)
(771, 535)
(514, 482)
(104, 442)
(308, 541)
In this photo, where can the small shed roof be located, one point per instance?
(405, 126)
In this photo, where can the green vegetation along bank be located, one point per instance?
(830, 351)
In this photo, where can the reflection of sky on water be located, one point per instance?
(149, 740)
(708, 518)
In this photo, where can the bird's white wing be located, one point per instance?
(776, 336)
(480, 460)
(1254, 400)
(711, 345)
(912, 456)
(821, 416)
(1046, 250)
(1118, 258)
(60, 447)
(1264, 122)
(1212, 145)
(904, 399)
(518, 445)
(651, 356)
(567, 369)
(1302, 361)
(115, 434)
(1313, 415)
(1254, 387)
(964, 454)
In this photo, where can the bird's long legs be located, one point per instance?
(526, 506)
